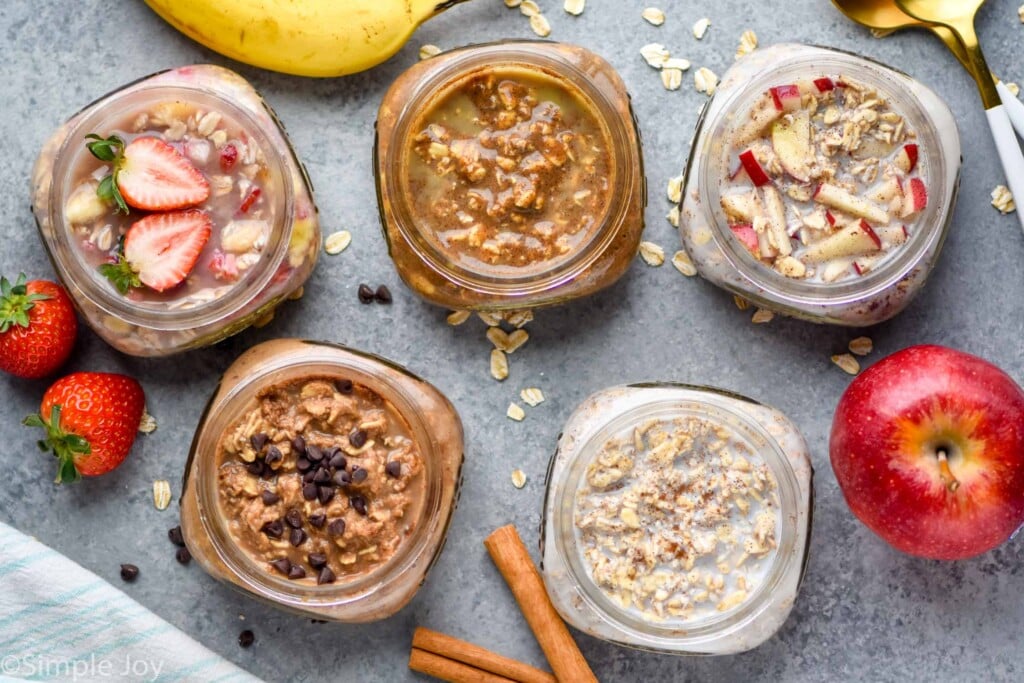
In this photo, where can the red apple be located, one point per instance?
(906, 158)
(755, 172)
(745, 233)
(786, 97)
(928, 449)
(824, 84)
(915, 197)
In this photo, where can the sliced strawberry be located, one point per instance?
(154, 176)
(161, 249)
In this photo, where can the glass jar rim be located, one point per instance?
(932, 222)
(98, 116)
(523, 54)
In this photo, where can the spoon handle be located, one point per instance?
(1009, 154)
(1014, 108)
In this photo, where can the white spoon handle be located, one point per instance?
(1009, 153)
(1014, 108)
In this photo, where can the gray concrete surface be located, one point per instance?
(865, 612)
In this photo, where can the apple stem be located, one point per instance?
(947, 474)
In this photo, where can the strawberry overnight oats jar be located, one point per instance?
(175, 211)
(820, 185)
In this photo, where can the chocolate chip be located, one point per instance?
(297, 537)
(338, 461)
(342, 478)
(325, 576)
(322, 476)
(359, 475)
(255, 468)
(317, 560)
(258, 441)
(317, 519)
(298, 444)
(129, 572)
(183, 556)
(345, 386)
(325, 494)
(309, 491)
(273, 456)
(246, 638)
(314, 454)
(308, 476)
(358, 504)
(357, 438)
(382, 295)
(336, 527)
(283, 565)
(303, 465)
(273, 529)
(266, 471)
(296, 572)
(365, 294)
(393, 469)
(294, 518)
(176, 537)
(269, 497)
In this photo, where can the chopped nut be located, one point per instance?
(653, 16)
(748, 43)
(1002, 199)
(701, 27)
(337, 242)
(574, 7)
(457, 317)
(161, 494)
(427, 51)
(671, 78)
(762, 316)
(681, 260)
(846, 363)
(652, 254)
(861, 346)
(515, 412)
(499, 365)
(675, 189)
(655, 54)
(539, 24)
(518, 478)
(705, 80)
(147, 425)
(673, 216)
(532, 396)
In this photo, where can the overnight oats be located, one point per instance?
(677, 519)
(175, 211)
(821, 185)
(322, 480)
(509, 176)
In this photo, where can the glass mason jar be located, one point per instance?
(720, 257)
(433, 425)
(597, 256)
(208, 112)
(687, 623)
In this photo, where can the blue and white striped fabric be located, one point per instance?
(74, 626)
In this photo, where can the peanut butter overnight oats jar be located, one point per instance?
(820, 185)
(677, 519)
(175, 211)
(509, 176)
(322, 480)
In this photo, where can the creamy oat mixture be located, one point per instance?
(827, 179)
(677, 520)
(320, 480)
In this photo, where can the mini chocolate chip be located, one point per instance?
(258, 441)
(357, 438)
(382, 295)
(183, 556)
(358, 504)
(322, 476)
(273, 456)
(345, 386)
(325, 494)
(365, 293)
(336, 527)
(266, 471)
(339, 461)
(359, 475)
(303, 465)
(393, 469)
(283, 565)
(255, 468)
(296, 572)
(314, 454)
(246, 638)
(176, 537)
(325, 576)
(269, 497)
(129, 572)
(274, 529)
(294, 518)
(298, 444)
(317, 519)
(308, 476)
(297, 537)
(317, 560)
(342, 478)
(309, 491)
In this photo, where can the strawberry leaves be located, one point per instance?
(110, 150)
(64, 445)
(120, 273)
(16, 302)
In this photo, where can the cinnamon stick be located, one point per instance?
(450, 670)
(476, 656)
(513, 560)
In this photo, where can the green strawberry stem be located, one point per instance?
(16, 302)
(121, 273)
(64, 445)
(110, 150)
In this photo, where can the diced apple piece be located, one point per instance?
(775, 212)
(838, 198)
(761, 116)
(791, 140)
(835, 269)
(915, 197)
(885, 191)
(741, 206)
(84, 205)
(785, 97)
(892, 235)
(857, 239)
(824, 84)
(745, 233)
(864, 264)
(906, 158)
(754, 170)
(830, 217)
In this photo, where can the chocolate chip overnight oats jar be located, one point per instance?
(175, 211)
(509, 176)
(677, 519)
(322, 480)
(820, 185)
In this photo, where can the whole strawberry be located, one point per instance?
(37, 327)
(91, 419)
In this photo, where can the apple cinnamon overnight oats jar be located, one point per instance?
(175, 211)
(677, 519)
(820, 185)
(322, 480)
(509, 176)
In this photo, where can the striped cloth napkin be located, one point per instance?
(61, 622)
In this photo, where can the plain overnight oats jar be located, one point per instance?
(509, 176)
(175, 211)
(820, 185)
(322, 480)
(677, 519)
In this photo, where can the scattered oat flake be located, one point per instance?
(490, 319)
(518, 478)
(529, 8)
(676, 63)
(673, 216)
(748, 43)
(161, 494)
(1012, 87)
(516, 339)
(1002, 199)
(520, 318)
(675, 189)
(512, 4)
(427, 51)
(652, 254)
(337, 242)
(705, 80)
(515, 412)
(846, 363)
(1020, 13)
(574, 7)
(701, 27)
(539, 24)
(457, 317)
(740, 302)
(532, 396)
(655, 54)
(861, 346)
(653, 16)
(297, 294)
(681, 260)
(499, 365)
(762, 316)
(147, 425)
(671, 78)
(264, 320)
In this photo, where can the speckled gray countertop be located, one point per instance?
(865, 612)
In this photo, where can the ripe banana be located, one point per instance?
(302, 37)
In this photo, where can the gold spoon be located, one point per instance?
(884, 17)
